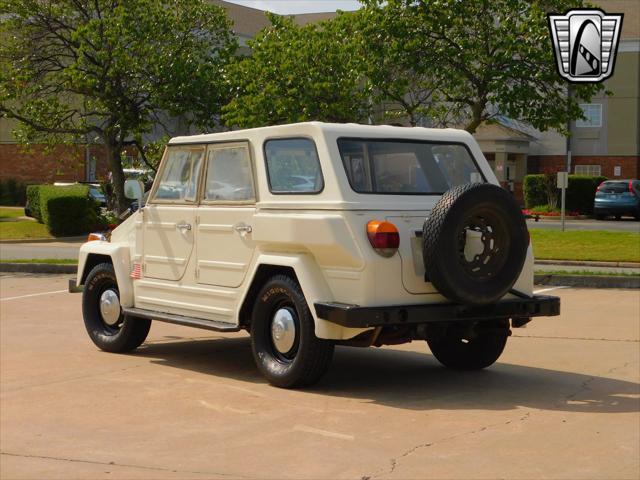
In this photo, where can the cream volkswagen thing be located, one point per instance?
(313, 235)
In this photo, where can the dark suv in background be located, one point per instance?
(617, 198)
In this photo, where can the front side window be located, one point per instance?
(229, 175)
(293, 166)
(406, 167)
(179, 177)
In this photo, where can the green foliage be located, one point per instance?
(480, 57)
(540, 189)
(581, 192)
(298, 73)
(579, 197)
(33, 197)
(12, 192)
(67, 210)
(108, 70)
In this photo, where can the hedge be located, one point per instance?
(12, 192)
(33, 198)
(580, 192)
(67, 210)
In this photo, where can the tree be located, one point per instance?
(110, 70)
(480, 58)
(298, 73)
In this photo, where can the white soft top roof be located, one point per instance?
(329, 129)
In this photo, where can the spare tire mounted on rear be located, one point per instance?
(475, 243)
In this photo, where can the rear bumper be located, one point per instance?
(362, 317)
(604, 209)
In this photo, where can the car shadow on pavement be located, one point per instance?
(416, 381)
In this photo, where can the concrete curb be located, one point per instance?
(578, 263)
(587, 281)
(37, 268)
(46, 240)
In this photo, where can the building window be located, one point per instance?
(590, 170)
(593, 115)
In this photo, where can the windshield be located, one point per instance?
(406, 167)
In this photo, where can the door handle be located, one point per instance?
(242, 228)
(183, 226)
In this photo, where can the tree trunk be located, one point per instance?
(476, 110)
(117, 175)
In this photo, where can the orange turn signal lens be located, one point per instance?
(96, 236)
(384, 237)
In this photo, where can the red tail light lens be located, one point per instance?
(599, 187)
(631, 188)
(384, 237)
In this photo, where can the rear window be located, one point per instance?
(406, 167)
(614, 187)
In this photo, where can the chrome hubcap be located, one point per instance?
(283, 330)
(110, 307)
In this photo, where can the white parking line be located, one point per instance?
(32, 295)
(549, 289)
(324, 433)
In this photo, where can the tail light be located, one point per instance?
(384, 237)
(631, 188)
(599, 186)
(97, 236)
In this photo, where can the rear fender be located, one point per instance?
(120, 256)
(314, 288)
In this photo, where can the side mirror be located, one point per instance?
(134, 189)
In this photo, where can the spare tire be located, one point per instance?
(480, 270)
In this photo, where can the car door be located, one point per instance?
(224, 243)
(169, 216)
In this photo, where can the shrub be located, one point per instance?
(67, 210)
(581, 192)
(579, 197)
(12, 192)
(33, 198)
(534, 191)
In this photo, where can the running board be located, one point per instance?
(182, 320)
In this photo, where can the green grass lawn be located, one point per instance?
(587, 273)
(52, 261)
(586, 245)
(12, 228)
(10, 213)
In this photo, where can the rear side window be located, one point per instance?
(179, 177)
(406, 167)
(293, 166)
(229, 176)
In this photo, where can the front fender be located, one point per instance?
(120, 256)
(314, 288)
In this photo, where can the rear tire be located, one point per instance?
(285, 347)
(106, 325)
(453, 350)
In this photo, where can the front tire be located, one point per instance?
(285, 348)
(469, 349)
(106, 325)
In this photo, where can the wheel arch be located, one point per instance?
(118, 255)
(304, 269)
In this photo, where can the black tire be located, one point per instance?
(127, 333)
(453, 350)
(600, 216)
(308, 358)
(617, 217)
(492, 212)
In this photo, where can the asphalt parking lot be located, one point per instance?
(563, 402)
